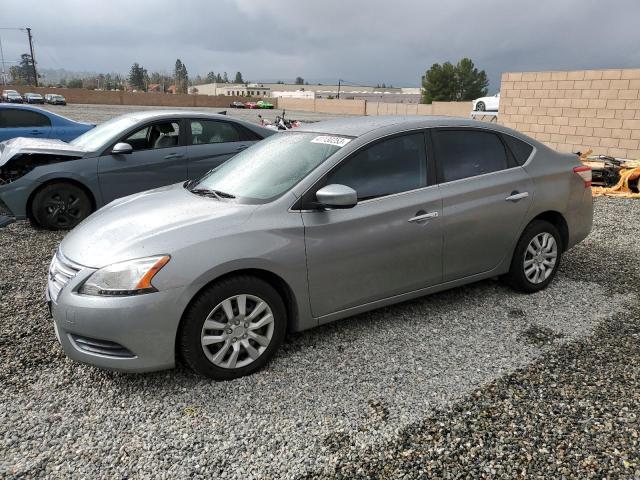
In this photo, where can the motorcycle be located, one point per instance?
(280, 122)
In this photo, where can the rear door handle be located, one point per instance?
(36, 132)
(515, 196)
(420, 217)
(172, 156)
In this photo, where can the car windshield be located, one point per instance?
(270, 167)
(100, 136)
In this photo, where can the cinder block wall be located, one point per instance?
(576, 110)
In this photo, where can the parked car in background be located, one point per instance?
(6, 93)
(27, 121)
(308, 227)
(58, 184)
(264, 104)
(490, 104)
(12, 97)
(250, 105)
(33, 98)
(55, 99)
(236, 105)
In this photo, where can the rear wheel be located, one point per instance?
(536, 258)
(232, 328)
(60, 206)
(480, 106)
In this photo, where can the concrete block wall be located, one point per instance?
(576, 110)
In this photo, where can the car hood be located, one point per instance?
(154, 222)
(9, 148)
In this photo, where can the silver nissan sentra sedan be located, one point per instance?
(307, 227)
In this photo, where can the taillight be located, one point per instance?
(584, 172)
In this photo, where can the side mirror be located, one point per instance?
(337, 196)
(121, 148)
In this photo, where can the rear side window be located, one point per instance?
(387, 167)
(467, 153)
(213, 131)
(520, 150)
(18, 118)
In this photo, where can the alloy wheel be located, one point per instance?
(237, 331)
(63, 209)
(540, 257)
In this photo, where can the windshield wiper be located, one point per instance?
(213, 193)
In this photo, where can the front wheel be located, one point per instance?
(480, 106)
(60, 206)
(536, 258)
(232, 328)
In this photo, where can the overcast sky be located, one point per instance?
(368, 41)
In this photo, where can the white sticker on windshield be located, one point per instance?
(329, 140)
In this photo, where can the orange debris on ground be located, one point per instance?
(630, 172)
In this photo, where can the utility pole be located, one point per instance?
(33, 59)
(3, 73)
(338, 96)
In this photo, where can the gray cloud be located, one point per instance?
(370, 41)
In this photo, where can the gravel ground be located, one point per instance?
(477, 381)
(101, 113)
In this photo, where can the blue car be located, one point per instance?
(26, 121)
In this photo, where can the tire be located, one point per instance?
(60, 206)
(480, 107)
(230, 334)
(531, 273)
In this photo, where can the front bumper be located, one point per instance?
(131, 334)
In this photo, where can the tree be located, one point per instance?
(211, 77)
(238, 78)
(299, 81)
(74, 83)
(471, 82)
(225, 78)
(218, 78)
(137, 77)
(23, 73)
(448, 82)
(181, 77)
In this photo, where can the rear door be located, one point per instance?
(485, 196)
(389, 243)
(158, 159)
(18, 122)
(212, 142)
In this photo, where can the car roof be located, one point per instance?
(358, 126)
(160, 114)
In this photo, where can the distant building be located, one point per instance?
(308, 95)
(234, 89)
(154, 88)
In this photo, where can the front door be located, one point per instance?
(485, 198)
(158, 159)
(390, 242)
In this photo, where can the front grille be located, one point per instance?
(101, 347)
(61, 271)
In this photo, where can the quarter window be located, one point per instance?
(521, 150)
(468, 153)
(18, 118)
(387, 167)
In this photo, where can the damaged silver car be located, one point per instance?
(56, 184)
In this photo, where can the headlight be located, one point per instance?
(132, 277)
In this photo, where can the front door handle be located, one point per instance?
(515, 196)
(421, 216)
(36, 132)
(173, 156)
(244, 147)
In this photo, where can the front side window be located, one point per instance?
(464, 153)
(387, 167)
(18, 118)
(271, 167)
(155, 136)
